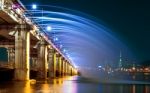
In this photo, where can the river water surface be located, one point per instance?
(73, 84)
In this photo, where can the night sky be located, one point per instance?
(128, 19)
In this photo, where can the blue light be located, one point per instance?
(100, 66)
(55, 39)
(48, 28)
(64, 50)
(34, 6)
(61, 46)
(68, 56)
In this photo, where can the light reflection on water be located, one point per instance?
(71, 85)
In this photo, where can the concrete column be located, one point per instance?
(34, 60)
(75, 72)
(9, 50)
(42, 61)
(50, 59)
(57, 64)
(52, 63)
(67, 67)
(11, 55)
(63, 67)
(33, 65)
(71, 70)
(22, 52)
(60, 65)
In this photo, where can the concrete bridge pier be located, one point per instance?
(11, 55)
(33, 63)
(64, 62)
(42, 60)
(57, 65)
(22, 52)
(66, 68)
(60, 66)
(73, 71)
(63, 67)
(69, 70)
(52, 63)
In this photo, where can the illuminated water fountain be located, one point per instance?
(80, 37)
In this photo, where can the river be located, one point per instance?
(74, 84)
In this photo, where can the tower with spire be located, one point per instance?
(120, 60)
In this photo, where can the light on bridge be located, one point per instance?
(48, 28)
(64, 50)
(61, 46)
(55, 39)
(34, 6)
(99, 66)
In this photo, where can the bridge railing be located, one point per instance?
(8, 7)
(15, 10)
(1, 4)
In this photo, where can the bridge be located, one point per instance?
(28, 48)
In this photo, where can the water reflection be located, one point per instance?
(71, 85)
(125, 89)
(27, 88)
(147, 89)
(133, 89)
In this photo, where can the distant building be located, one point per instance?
(120, 61)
